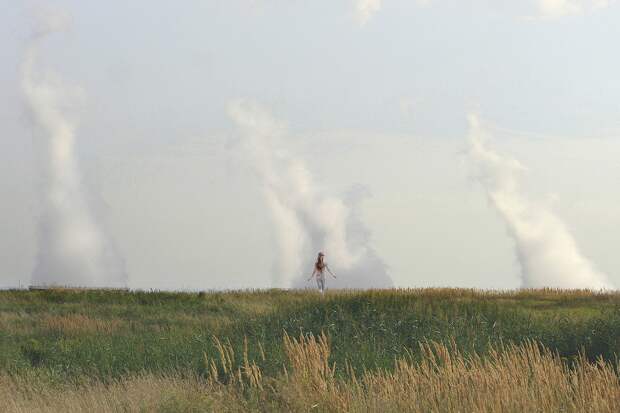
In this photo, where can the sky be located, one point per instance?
(366, 96)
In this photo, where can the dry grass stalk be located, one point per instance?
(439, 378)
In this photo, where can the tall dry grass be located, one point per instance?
(143, 393)
(508, 378)
(108, 334)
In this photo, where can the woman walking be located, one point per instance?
(319, 271)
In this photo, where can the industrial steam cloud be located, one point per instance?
(73, 248)
(547, 252)
(306, 218)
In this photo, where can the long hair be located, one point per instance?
(319, 264)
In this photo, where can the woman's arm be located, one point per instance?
(330, 271)
(313, 272)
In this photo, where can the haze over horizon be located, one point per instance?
(221, 145)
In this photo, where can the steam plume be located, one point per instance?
(559, 8)
(306, 218)
(72, 247)
(547, 252)
(365, 9)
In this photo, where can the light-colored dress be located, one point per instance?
(320, 276)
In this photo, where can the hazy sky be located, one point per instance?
(374, 94)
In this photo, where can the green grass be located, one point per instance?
(70, 336)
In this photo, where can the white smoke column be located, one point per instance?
(306, 218)
(560, 8)
(73, 249)
(365, 9)
(547, 252)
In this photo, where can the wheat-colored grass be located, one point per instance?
(76, 324)
(509, 378)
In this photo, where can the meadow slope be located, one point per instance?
(394, 350)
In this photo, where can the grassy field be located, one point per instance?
(392, 350)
